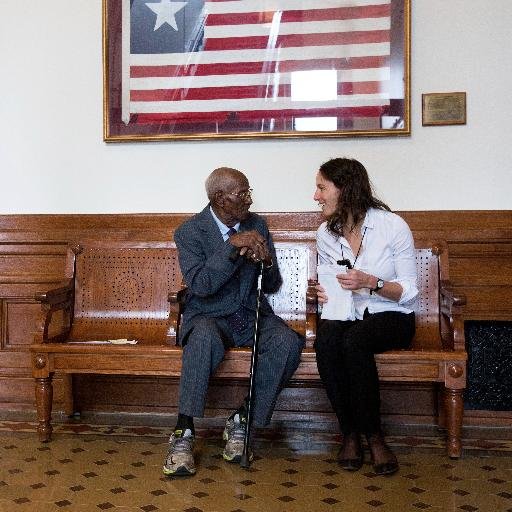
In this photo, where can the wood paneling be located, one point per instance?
(18, 317)
(32, 254)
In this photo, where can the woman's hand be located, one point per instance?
(320, 292)
(355, 279)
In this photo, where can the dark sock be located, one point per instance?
(241, 411)
(185, 422)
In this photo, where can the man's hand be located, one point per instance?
(252, 245)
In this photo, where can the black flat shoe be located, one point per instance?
(378, 446)
(386, 468)
(354, 463)
(351, 464)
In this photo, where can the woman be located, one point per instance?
(376, 249)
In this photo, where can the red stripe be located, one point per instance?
(219, 117)
(337, 13)
(210, 93)
(244, 92)
(362, 87)
(321, 112)
(259, 67)
(298, 40)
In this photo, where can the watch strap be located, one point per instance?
(378, 286)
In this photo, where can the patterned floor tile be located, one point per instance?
(95, 468)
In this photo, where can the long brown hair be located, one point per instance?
(356, 197)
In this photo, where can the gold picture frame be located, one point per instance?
(358, 51)
(443, 108)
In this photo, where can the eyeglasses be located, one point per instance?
(245, 194)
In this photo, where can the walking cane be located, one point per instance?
(244, 461)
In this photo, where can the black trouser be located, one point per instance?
(346, 363)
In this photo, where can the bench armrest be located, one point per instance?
(453, 299)
(56, 295)
(452, 323)
(311, 312)
(175, 299)
(56, 299)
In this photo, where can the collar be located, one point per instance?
(223, 228)
(368, 222)
(369, 219)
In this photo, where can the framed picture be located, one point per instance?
(204, 69)
(440, 108)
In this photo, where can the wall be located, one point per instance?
(53, 159)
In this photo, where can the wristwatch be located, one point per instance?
(378, 286)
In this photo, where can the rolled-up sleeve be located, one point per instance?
(405, 263)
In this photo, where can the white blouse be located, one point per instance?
(387, 252)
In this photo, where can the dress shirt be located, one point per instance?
(387, 252)
(223, 228)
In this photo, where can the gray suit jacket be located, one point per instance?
(216, 285)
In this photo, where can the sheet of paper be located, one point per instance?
(122, 341)
(340, 305)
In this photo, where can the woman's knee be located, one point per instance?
(356, 352)
(323, 347)
(327, 336)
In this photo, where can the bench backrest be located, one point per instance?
(297, 264)
(427, 315)
(122, 288)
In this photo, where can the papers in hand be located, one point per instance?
(340, 304)
(122, 341)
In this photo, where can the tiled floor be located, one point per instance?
(99, 467)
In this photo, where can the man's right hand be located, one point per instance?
(252, 245)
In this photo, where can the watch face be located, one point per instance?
(380, 283)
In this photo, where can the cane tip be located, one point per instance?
(245, 462)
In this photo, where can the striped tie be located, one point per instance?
(238, 320)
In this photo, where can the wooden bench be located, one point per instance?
(129, 290)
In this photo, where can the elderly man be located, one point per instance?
(220, 250)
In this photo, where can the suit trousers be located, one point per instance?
(346, 363)
(279, 349)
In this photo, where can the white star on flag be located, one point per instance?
(166, 12)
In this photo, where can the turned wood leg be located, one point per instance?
(44, 398)
(454, 408)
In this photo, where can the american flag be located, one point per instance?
(241, 61)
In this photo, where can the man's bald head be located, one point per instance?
(224, 179)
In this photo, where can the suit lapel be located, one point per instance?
(209, 227)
